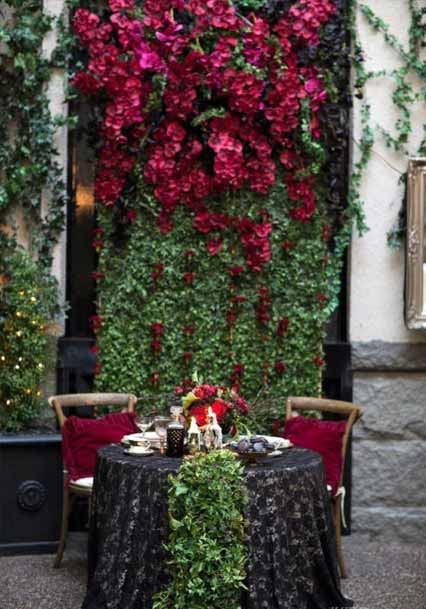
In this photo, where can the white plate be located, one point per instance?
(145, 453)
(150, 436)
(277, 443)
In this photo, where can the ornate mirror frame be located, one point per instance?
(415, 290)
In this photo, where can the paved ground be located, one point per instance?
(382, 576)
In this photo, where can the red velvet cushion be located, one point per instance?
(325, 437)
(81, 439)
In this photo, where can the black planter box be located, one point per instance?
(30, 493)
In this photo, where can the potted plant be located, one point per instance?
(30, 461)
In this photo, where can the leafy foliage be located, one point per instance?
(28, 167)
(26, 308)
(206, 542)
(132, 299)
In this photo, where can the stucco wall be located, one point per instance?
(389, 361)
(58, 107)
(377, 272)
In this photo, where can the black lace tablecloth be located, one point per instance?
(291, 565)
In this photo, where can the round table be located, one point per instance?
(290, 541)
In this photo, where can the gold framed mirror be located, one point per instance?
(415, 291)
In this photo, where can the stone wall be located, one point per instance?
(390, 447)
(389, 361)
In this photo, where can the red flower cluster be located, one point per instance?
(236, 376)
(263, 313)
(221, 400)
(96, 322)
(200, 412)
(157, 331)
(157, 271)
(280, 367)
(182, 57)
(282, 326)
(308, 16)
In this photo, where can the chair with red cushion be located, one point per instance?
(81, 438)
(330, 439)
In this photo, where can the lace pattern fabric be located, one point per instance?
(291, 558)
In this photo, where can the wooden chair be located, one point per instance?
(82, 487)
(351, 413)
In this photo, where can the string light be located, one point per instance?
(2, 358)
(18, 314)
(19, 333)
(17, 367)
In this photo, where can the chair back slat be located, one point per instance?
(92, 400)
(350, 412)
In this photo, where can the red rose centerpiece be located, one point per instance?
(225, 403)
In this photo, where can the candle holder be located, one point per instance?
(194, 437)
(175, 437)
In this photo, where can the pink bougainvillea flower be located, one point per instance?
(86, 83)
(215, 247)
(170, 33)
(234, 271)
(149, 59)
(121, 5)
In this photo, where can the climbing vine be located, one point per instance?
(405, 93)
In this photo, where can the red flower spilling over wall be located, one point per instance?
(207, 101)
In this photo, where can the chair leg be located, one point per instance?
(338, 527)
(67, 503)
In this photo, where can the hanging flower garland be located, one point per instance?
(214, 99)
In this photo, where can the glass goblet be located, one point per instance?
(160, 426)
(144, 423)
